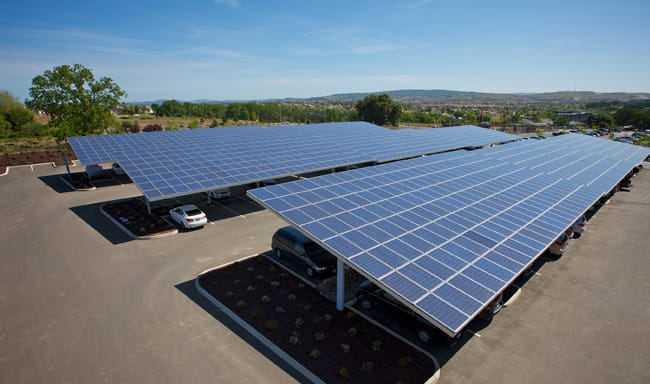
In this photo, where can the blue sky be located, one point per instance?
(254, 49)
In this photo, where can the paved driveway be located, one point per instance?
(81, 302)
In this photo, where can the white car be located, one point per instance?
(221, 193)
(560, 245)
(189, 216)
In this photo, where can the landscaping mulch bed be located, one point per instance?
(35, 157)
(336, 346)
(133, 215)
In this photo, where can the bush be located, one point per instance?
(345, 373)
(271, 325)
(404, 361)
(152, 128)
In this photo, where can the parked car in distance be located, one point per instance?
(115, 167)
(579, 226)
(289, 242)
(560, 245)
(370, 295)
(221, 193)
(493, 308)
(189, 216)
(94, 171)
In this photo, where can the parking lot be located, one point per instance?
(82, 302)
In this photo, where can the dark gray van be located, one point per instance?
(289, 242)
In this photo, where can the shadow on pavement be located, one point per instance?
(189, 290)
(91, 214)
(56, 183)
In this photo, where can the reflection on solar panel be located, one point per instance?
(172, 163)
(447, 233)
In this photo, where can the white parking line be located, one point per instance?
(474, 333)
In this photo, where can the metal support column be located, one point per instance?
(340, 284)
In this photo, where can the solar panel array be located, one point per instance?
(172, 163)
(445, 234)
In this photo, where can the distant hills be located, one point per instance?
(441, 96)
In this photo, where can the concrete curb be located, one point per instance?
(131, 234)
(52, 163)
(274, 348)
(74, 188)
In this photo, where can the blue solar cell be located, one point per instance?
(494, 269)
(360, 239)
(470, 245)
(435, 267)
(483, 278)
(404, 286)
(442, 312)
(371, 265)
(420, 276)
(460, 300)
(296, 216)
(448, 259)
(460, 252)
(503, 261)
(319, 231)
(388, 256)
(403, 249)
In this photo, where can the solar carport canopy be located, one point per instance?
(445, 234)
(173, 163)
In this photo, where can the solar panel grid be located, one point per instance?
(499, 246)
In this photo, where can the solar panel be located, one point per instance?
(172, 163)
(445, 234)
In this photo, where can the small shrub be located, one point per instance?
(256, 313)
(294, 339)
(319, 336)
(345, 348)
(292, 298)
(250, 269)
(307, 307)
(328, 317)
(404, 361)
(250, 288)
(298, 322)
(266, 298)
(352, 331)
(273, 269)
(345, 373)
(271, 325)
(301, 285)
(241, 303)
(280, 310)
(275, 284)
(376, 345)
(260, 277)
(314, 354)
(367, 366)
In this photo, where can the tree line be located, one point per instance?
(77, 103)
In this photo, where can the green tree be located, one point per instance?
(601, 120)
(379, 109)
(76, 103)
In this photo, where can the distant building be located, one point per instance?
(580, 117)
